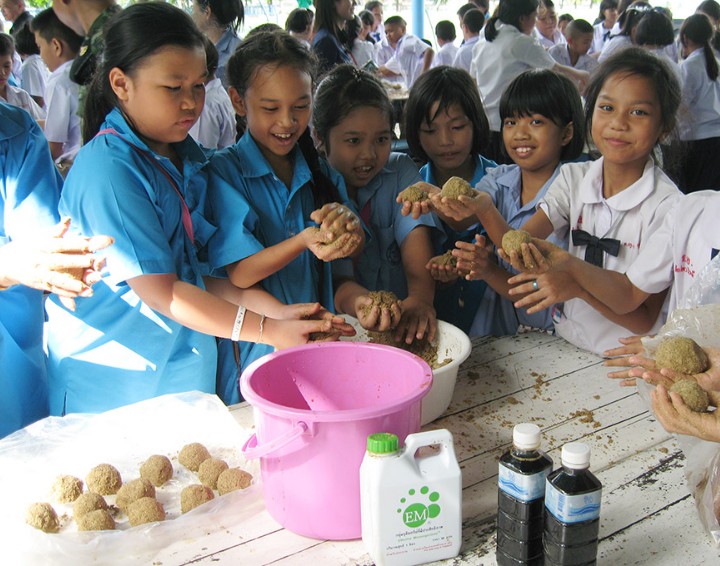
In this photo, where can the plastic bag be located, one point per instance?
(698, 317)
(32, 458)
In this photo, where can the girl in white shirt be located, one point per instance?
(603, 26)
(628, 22)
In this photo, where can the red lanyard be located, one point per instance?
(186, 218)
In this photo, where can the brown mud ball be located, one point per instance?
(513, 238)
(413, 194)
(694, 396)
(97, 520)
(67, 489)
(43, 517)
(145, 510)
(380, 299)
(194, 495)
(88, 502)
(233, 479)
(446, 259)
(132, 491)
(455, 187)
(103, 479)
(157, 469)
(682, 355)
(210, 470)
(192, 455)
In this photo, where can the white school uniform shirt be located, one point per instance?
(408, 58)
(700, 118)
(561, 54)
(601, 36)
(18, 97)
(445, 55)
(464, 55)
(383, 53)
(362, 51)
(575, 201)
(216, 127)
(681, 247)
(62, 124)
(34, 75)
(557, 39)
(496, 63)
(615, 44)
(17, 66)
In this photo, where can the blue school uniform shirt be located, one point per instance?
(458, 302)
(496, 315)
(379, 266)
(115, 350)
(29, 193)
(254, 210)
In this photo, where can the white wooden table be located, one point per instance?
(647, 515)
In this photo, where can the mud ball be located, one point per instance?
(380, 299)
(43, 517)
(682, 355)
(88, 502)
(455, 187)
(156, 469)
(413, 194)
(210, 470)
(132, 491)
(192, 455)
(145, 510)
(67, 489)
(694, 396)
(233, 479)
(97, 520)
(446, 259)
(513, 238)
(194, 495)
(103, 479)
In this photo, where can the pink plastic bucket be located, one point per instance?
(314, 407)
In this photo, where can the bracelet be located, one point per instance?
(262, 323)
(237, 326)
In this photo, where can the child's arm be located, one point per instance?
(56, 149)
(428, 56)
(480, 263)
(418, 316)
(352, 298)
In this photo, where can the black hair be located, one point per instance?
(698, 29)
(326, 18)
(25, 41)
(576, 27)
(448, 86)
(299, 20)
(352, 31)
(226, 13)
(655, 29)
(566, 18)
(344, 89)
(606, 5)
(547, 4)
(280, 49)
(710, 8)
(212, 57)
(445, 30)
(7, 45)
(635, 61)
(464, 9)
(132, 35)
(367, 17)
(267, 27)
(509, 12)
(483, 5)
(474, 20)
(395, 21)
(545, 92)
(631, 17)
(370, 6)
(49, 27)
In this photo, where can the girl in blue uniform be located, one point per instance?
(446, 127)
(268, 189)
(149, 328)
(352, 118)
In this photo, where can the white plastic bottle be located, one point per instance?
(411, 502)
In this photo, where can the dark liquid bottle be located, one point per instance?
(521, 491)
(572, 517)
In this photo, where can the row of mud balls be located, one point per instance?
(137, 497)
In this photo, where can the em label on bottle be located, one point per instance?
(520, 486)
(572, 508)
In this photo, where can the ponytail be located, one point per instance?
(698, 29)
(490, 30)
(510, 12)
(711, 63)
(324, 192)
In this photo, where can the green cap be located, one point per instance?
(382, 443)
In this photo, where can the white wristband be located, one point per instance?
(237, 326)
(262, 324)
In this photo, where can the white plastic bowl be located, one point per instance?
(453, 343)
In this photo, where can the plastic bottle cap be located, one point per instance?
(526, 436)
(382, 443)
(575, 455)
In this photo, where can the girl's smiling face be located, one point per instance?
(448, 139)
(626, 120)
(359, 146)
(535, 142)
(277, 106)
(164, 96)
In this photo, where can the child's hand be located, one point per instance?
(479, 203)
(335, 220)
(442, 271)
(418, 321)
(343, 246)
(543, 291)
(287, 333)
(628, 356)
(674, 415)
(315, 311)
(417, 209)
(372, 317)
(459, 208)
(474, 259)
